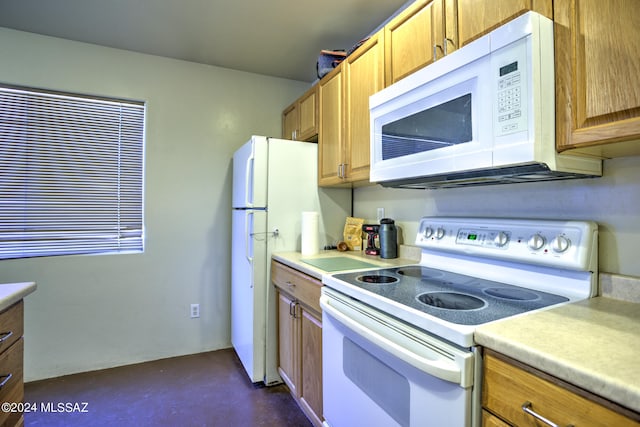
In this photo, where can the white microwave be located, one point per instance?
(484, 114)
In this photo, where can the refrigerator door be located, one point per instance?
(250, 174)
(248, 290)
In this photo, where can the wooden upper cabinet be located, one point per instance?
(330, 141)
(408, 40)
(597, 51)
(308, 115)
(479, 17)
(421, 34)
(363, 76)
(300, 119)
(290, 121)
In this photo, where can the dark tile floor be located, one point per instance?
(207, 389)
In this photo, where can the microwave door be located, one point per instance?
(445, 127)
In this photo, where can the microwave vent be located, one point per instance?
(533, 172)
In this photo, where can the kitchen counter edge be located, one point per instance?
(408, 255)
(593, 344)
(10, 293)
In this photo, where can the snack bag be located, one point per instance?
(353, 233)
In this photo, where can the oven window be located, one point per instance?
(386, 387)
(440, 126)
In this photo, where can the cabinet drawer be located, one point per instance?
(302, 287)
(11, 325)
(507, 387)
(12, 391)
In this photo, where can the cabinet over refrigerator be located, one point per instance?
(274, 181)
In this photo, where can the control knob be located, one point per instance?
(428, 232)
(560, 244)
(440, 233)
(536, 242)
(501, 239)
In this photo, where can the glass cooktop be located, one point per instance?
(449, 296)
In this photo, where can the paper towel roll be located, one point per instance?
(309, 232)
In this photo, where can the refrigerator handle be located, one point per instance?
(248, 182)
(249, 237)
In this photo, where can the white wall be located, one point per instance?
(613, 201)
(91, 312)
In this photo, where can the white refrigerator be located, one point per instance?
(274, 181)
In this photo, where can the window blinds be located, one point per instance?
(71, 174)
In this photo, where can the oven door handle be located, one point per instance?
(442, 367)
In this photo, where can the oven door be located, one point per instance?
(378, 371)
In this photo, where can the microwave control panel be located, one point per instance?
(510, 69)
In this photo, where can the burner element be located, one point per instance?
(451, 300)
(515, 294)
(377, 278)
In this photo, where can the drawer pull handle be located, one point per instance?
(526, 407)
(5, 380)
(5, 336)
(291, 285)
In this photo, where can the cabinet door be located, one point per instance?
(364, 76)
(597, 52)
(288, 352)
(308, 115)
(330, 146)
(478, 17)
(311, 393)
(290, 122)
(408, 40)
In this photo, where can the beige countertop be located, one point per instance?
(593, 344)
(10, 293)
(408, 255)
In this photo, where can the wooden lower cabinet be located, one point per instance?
(11, 363)
(300, 337)
(311, 365)
(508, 385)
(288, 353)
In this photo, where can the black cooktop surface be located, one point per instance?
(453, 297)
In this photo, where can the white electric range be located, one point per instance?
(398, 345)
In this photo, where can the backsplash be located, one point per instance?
(615, 286)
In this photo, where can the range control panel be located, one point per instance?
(557, 243)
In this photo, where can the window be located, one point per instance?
(71, 174)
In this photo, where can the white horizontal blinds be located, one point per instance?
(71, 174)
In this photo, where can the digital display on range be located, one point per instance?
(508, 68)
(472, 236)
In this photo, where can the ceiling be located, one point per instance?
(279, 38)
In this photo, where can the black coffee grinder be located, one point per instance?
(372, 234)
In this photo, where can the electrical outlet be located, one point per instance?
(195, 310)
(380, 214)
